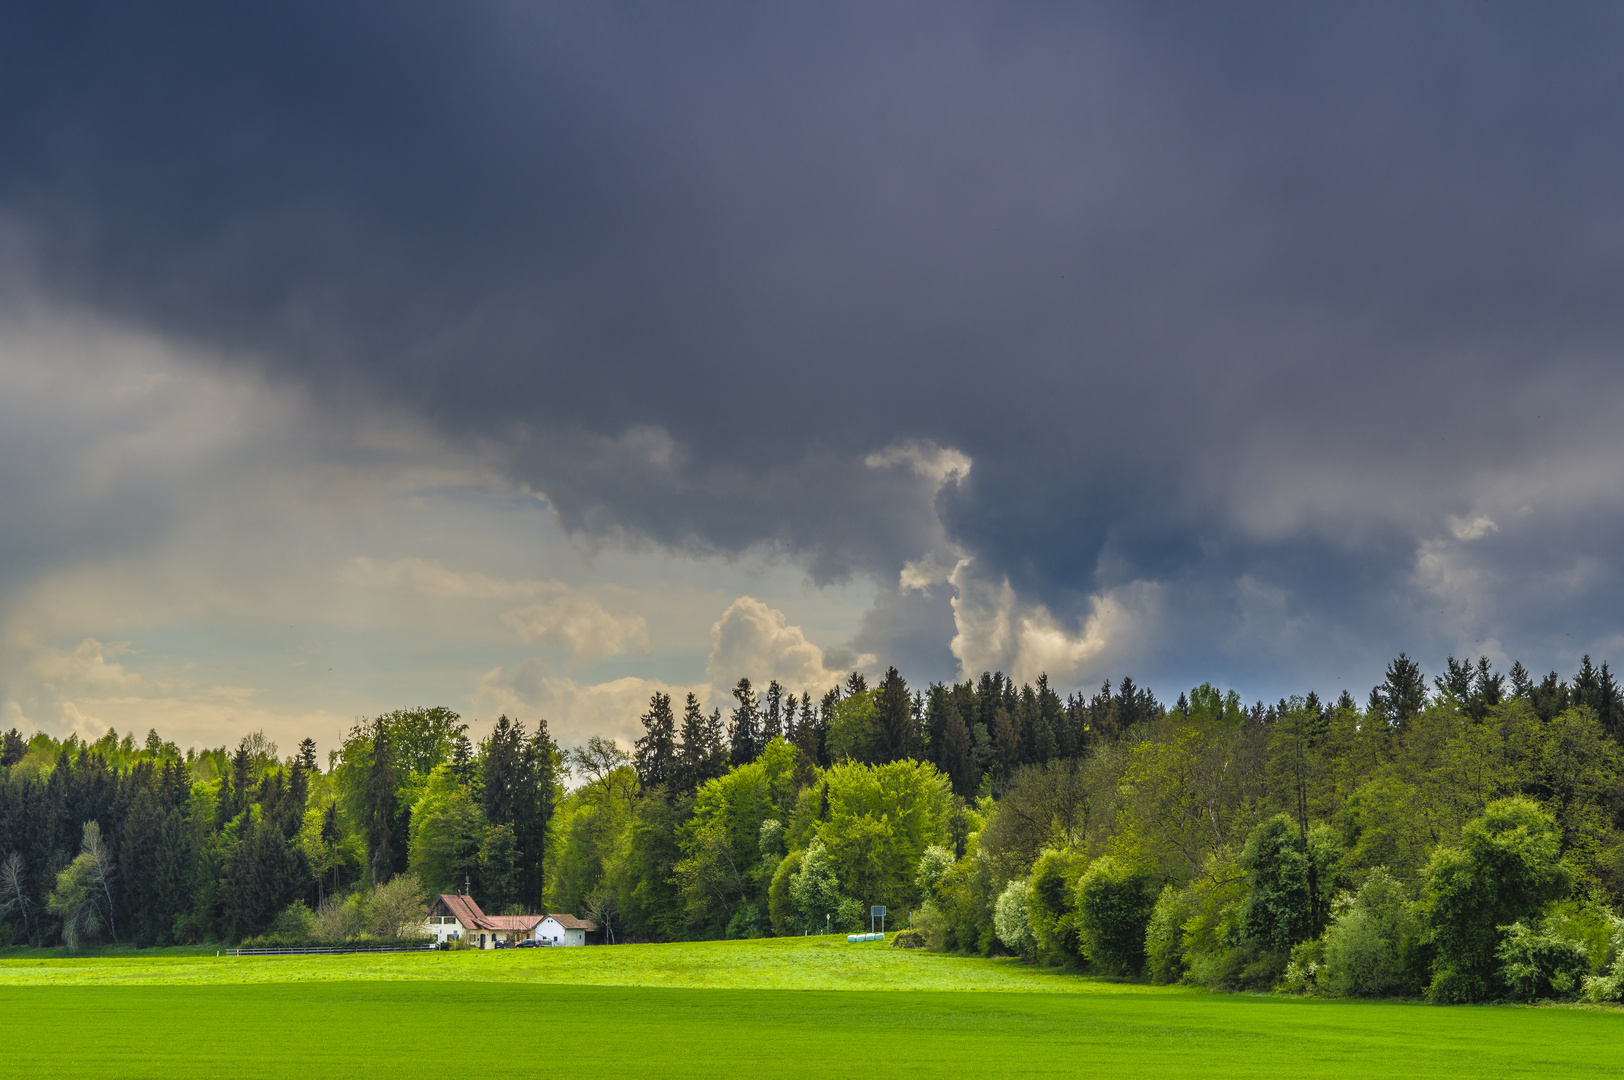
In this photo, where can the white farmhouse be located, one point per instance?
(456, 917)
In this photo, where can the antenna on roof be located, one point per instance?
(465, 885)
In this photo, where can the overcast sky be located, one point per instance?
(532, 357)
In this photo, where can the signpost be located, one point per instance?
(876, 912)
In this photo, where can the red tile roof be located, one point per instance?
(463, 908)
(468, 913)
(570, 922)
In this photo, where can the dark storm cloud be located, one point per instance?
(1247, 300)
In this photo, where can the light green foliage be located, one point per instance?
(74, 901)
(1366, 949)
(815, 891)
(340, 918)
(934, 863)
(396, 909)
(722, 867)
(82, 899)
(1184, 796)
(1164, 935)
(1608, 985)
(1114, 900)
(1506, 868)
(1010, 921)
(1050, 907)
(771, 840)
(851, 726)
(881, 819)
(1538, 961)
(590, 831)
(1212, 929)
(448, 830)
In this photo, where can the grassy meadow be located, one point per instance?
(784, 1007)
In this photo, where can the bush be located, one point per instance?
(1049, 907)
(746, 923)
(1278, 908)
(781, 910)
(1507, 868)
(851, 917)
(1305, 967)
(398, 909)
(1212, 929)
(1164, 936)
(1368, 946)
(1010, 922)
(933, 867)
(278, 941)
(296, 922)
(1114, 904)
(932, 925)
(1609, 986)
(1247, 966)
(339, 918)
(815, 892)
(909, 939)
(1537, 961)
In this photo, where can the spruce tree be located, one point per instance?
(378, 811)
(744, 732)
(772, 719)
(894, 735)
(654, 755)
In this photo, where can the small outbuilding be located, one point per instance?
(564, 930)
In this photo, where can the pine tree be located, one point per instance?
(1402, 695)
(954, 758)
(895, 734)
(1522, 684)
(654, 755)
(378, 812)
(693, 756)
(536, 796)
(744, 732)
(1550, 697)
(772, 720)
(716, 764)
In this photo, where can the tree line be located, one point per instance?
(1459, 839)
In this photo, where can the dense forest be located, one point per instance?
(1462, 840)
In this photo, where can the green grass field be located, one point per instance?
(789, 1007)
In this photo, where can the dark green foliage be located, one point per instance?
(380, 807)
(1506, 868)
(1278, 912)
(744, 729)
(1402, 695)
(895, 734)
(1114, 901)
